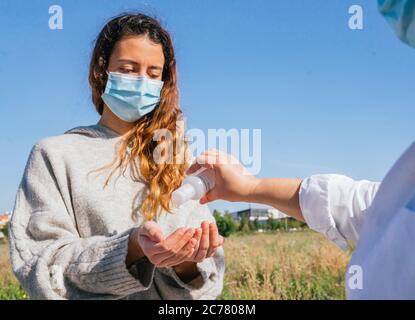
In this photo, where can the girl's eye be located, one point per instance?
(126, 70)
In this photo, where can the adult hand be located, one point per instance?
(233, 182)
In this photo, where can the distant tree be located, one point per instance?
(252, 225)
(292, 223)
(216, 212)
(274, 224)
(257, 224)
(226, 224)
(245, 226)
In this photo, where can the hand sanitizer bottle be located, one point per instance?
(194, 187)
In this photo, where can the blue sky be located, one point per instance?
(327, 99)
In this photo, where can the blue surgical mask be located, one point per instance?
(131, 97)
(400, 14)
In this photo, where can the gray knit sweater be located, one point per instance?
(69, 235)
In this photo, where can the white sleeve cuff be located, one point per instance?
(315, 207)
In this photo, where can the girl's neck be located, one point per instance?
(111, 121)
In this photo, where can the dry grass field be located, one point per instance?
(280, 266)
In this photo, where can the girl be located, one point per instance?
(77, 232)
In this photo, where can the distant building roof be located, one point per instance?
(4, 218)
(260, 213)
(276, 214)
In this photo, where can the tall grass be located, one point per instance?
(293, 265)
(10, 288)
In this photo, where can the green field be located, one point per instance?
(282, 265)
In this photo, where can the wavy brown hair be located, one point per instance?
(137, 147)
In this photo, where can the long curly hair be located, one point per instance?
(138, 146)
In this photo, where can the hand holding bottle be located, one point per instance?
(233, 182)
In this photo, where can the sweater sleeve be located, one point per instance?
(335, 205)
(208, 284)
(49, 257)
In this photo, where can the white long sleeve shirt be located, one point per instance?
(380, 218)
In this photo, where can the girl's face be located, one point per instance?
(137, 56)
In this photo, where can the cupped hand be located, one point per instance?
(208, 241)
(183, 245)
(166, 252)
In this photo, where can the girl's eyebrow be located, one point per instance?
(156, 68)
(136, 63)
(128, 61)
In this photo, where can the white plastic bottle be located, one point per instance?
(194, 187)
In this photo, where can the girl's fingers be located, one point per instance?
(178, 258)
(175, 243)
(168, 248)
(157, 258)
(214, 239)
(197, 236)
(185, 245)
(149, 247)
(176, 262)
(156, 235)
(204, 242)
(152, 230)
(221, 241)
